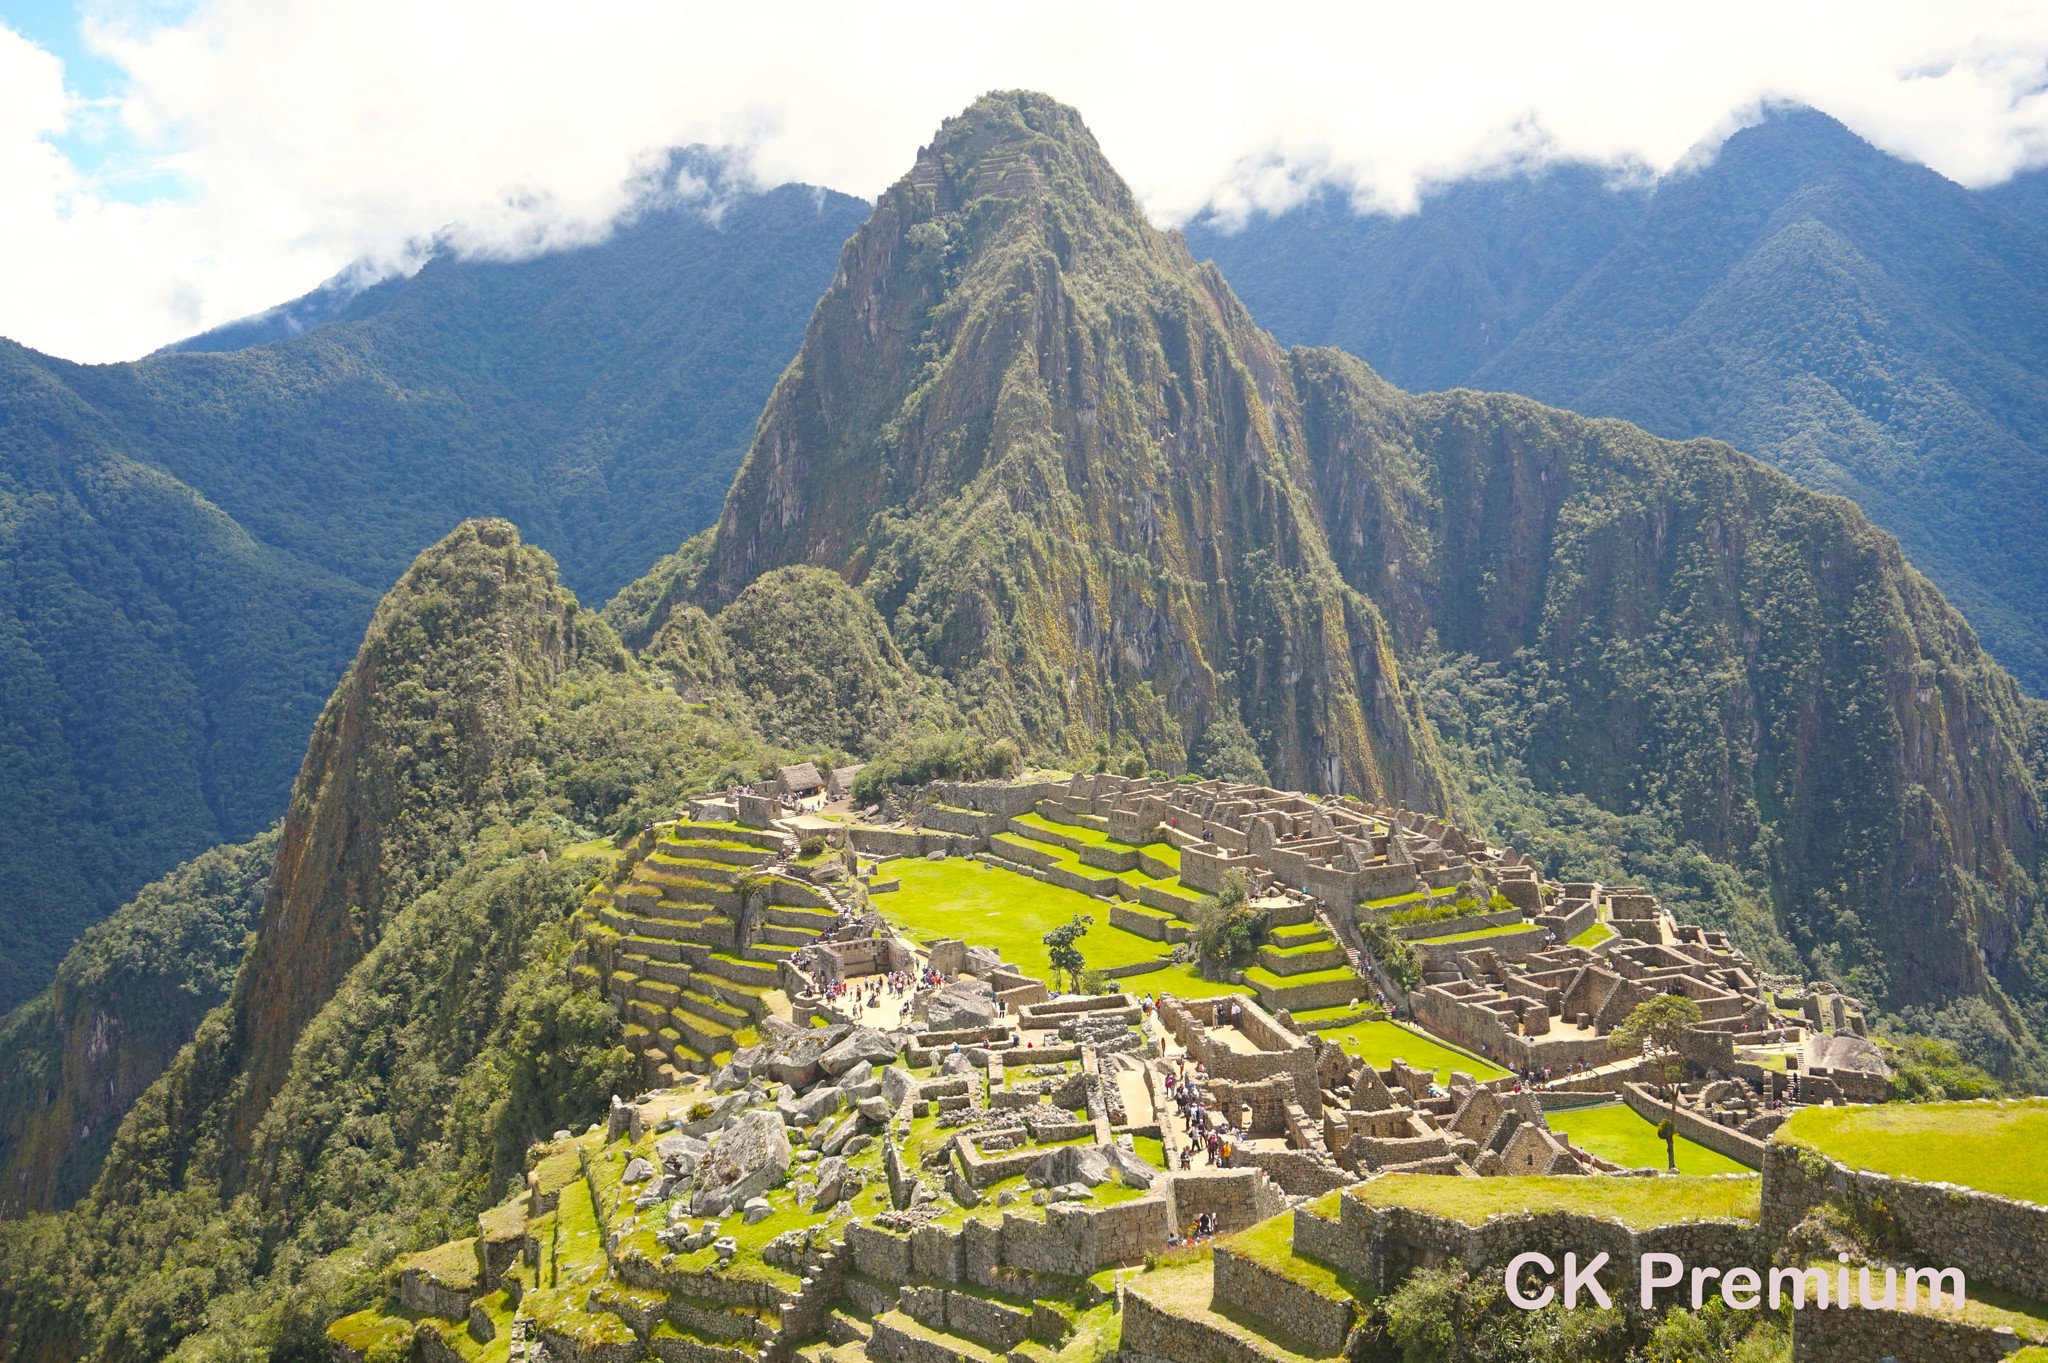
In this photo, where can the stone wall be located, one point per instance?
(1865, 1336)
(1315, 1323)
(1509, 946)
(1995, 1240)
(1721, 1139)
(1239, 1198)
(1384, 1245)
(1471, 922)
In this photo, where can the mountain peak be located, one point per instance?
(1016, 146)
(1049, 448)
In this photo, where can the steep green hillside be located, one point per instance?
(190, 545)
(1068, 471)
(1684, 633)
(126, 999)
(1860, 322)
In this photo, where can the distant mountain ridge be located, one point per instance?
(1862, 323)
(191, 544)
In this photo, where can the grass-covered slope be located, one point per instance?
(191, 544)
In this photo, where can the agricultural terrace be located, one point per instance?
(1617, 1132)
(1993, 1146)
(1638, 1203)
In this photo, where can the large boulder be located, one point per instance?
(862, 1043)
(1086, 1164)
(1126, 1165)
(964, 1003)
(897, 1086)
(745, 1160)
(795, 1061)
(679, 1154)
(820, 1103)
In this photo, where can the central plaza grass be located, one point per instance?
(1615, 1131)
(1992, 1146)
(1383, 1042)
(1639, 1203)
(986, 906)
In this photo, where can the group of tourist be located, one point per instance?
(1217, 1145)
(856, 997)
(1201, 1228)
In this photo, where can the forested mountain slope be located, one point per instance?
(190, 545)
(1860, 322)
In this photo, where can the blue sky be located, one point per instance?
(98, 144)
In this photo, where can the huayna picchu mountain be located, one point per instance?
(1035, 476)
(1071, 474)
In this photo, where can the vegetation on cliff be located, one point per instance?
(1050, 451)
(127, 997)
(404, 1026)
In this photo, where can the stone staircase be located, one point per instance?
(688, 944)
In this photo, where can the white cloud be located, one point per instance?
(309, 134)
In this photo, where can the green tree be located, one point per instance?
(1227, 926)
(1653, 1030)
(1229, 753)
(1063, 953)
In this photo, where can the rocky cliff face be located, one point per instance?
(1698, 637)
(1070, 473)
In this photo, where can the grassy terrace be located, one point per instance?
(1095, 837)
(1270, 1244)
(988, 906)
(1639, 1203)
(1614, 1131)
(1382, 1042)
(1500, 930)
(1593, 936)
(1993, 1146)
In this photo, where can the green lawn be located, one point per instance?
(1381, 1042)
(1993, 1146)
(986, 906)
(1639, 1203)
(1185, 982)
(1615, 1132)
